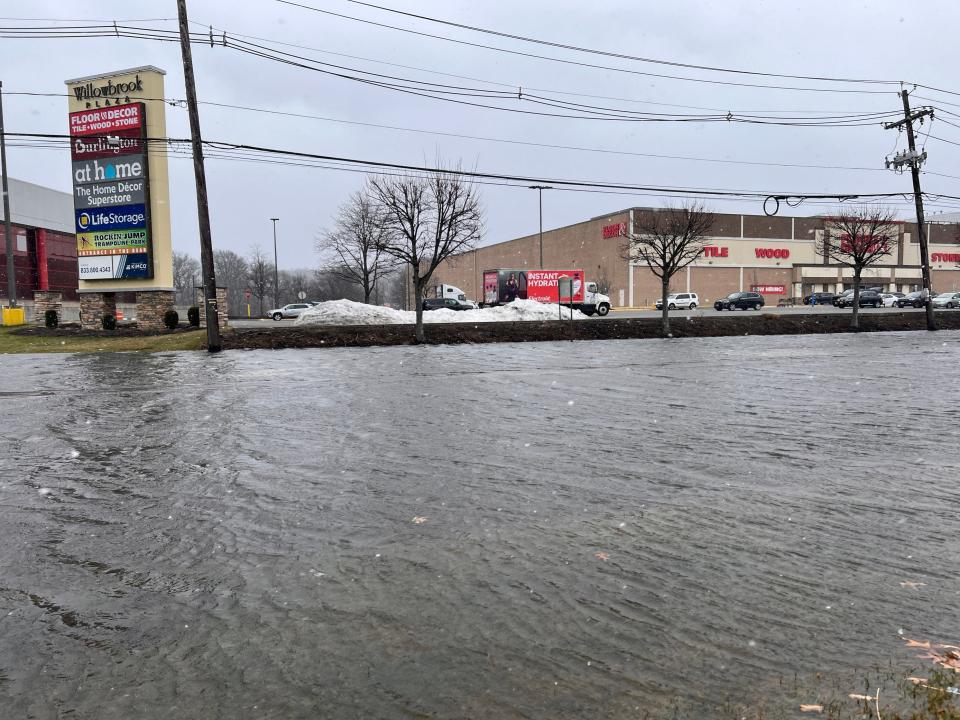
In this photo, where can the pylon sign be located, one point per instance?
(110, 191)
(121, 194)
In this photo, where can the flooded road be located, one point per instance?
(497, 531)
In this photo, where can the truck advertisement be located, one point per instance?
(503, 286)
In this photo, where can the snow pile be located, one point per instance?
(347, 312)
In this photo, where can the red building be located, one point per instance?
(44, 247)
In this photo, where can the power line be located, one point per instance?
(950, 142)
(607, 68)
(605, 53)
(504, 84)
(550, 146)
(438, 91)
(357, 166)
(573, 183)
(455, 93)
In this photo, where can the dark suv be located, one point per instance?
(823, 298)
(442, 304)
(914, 299)
(740, 300)
(869, 298)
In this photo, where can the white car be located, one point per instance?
(289, 311)
(889, 300)
(679, 301)
(948, 300)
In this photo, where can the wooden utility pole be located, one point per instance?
(7, 228)
(203, 213)
(911, 158)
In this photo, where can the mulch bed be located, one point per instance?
(608, 329)
(74, 330)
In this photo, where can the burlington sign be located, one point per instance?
(111, 196)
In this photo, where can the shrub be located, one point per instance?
(193, 316)
(109, 321)
(51, 319)
(171, 319)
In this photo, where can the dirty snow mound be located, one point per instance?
(348, 312)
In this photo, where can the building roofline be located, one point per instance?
(126, 71)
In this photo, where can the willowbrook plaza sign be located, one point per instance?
(111, 192)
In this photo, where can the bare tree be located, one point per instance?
(292, 283)
(332, 286)
(186, 271)
(667, 241)
(232, 274)
(258, 274)
(859, 237)
(353, 248)
(426, 221)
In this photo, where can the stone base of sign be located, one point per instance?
(93, 306)
(151, 307)
(223, 310)
(44, 300)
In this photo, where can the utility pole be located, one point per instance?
(276, 284)
(7, 228)
(540, 189)
(203, 212)
(914, 160)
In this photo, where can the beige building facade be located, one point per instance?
(775, 256)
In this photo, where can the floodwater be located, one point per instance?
(556, 530)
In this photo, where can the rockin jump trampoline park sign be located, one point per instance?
(118, 200)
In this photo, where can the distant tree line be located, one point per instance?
(385, 241)
(254, 272)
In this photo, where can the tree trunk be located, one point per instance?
(418, 300)
(855, 318)
(366, 290)
(665, 312)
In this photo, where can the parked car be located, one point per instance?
(740, 300)
(914, 299)
(868, 298)
(679, 301)
(948, 300)
(823, 298)
(289, 311)
(889, 299)
(838, 300)
(443, 304)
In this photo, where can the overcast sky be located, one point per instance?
(884, 40)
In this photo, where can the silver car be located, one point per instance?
(948, 300)
(289, 311)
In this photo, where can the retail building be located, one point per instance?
(776, 256)
(44, 247)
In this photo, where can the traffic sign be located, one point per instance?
(247, 294)
(302, 295)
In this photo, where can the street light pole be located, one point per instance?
(276, 284)
(540, 189)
